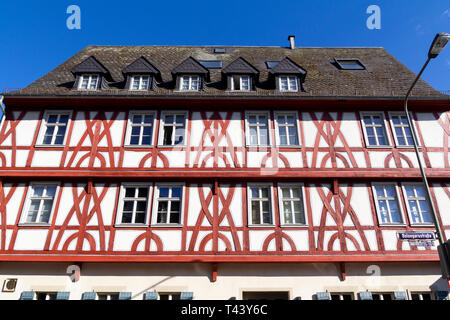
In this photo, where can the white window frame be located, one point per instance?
(381, 295)
(123, 186)
(162, 125)
(420, 293)
(240, 83)
(300, 186)
(154, 218)
(190, 87)
(277, 129)
(385, 125)
(169, 294)
(140, 84)
(247, 129)
(391, 114)
(399, 205)
(288, 78)
(49, 295)
(130, 127)
(107, 294)
(26, 207)
(43, 128)
(90, 76)
(405, 196)
(249, 204)
(341, 294)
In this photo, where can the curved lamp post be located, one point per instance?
(439, 42)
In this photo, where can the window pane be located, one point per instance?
(50, 191)
(162, 212)
(176, 192)
(38, 191)
(140, 217)
(126, 217)
(167, 135)
(287, 212)
(128, 206)
(164, 192)
(129, 192)
(255, 212)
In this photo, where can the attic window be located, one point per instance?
(88, 82)
(219, 50)
(271, 64)
(350, 64)
(211, 64)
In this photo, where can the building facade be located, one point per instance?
(163, 172)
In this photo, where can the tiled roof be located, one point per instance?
(240, 66)
(190, 65)
(141, 65)
(384, 75)
(287, 66)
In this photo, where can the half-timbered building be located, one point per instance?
(222, 172)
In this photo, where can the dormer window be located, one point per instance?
(140, 82)
(190, 83)
(88, 82)
(90, 74)
(241, 83)
(288, 83)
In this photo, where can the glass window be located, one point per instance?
(291, 205)
(107, 296)
(258, 132)
(174, 127)
(88, 82)
(260, 207)
(421, 296)
(134, 204)
(169, 295)
(341, 296)
(382, 296)
(350, 64)
(40, 203)
(190, 83)
(140, 82)
(168, 204)
(387, 204)
(55, 128)
(375, 129)
(241, 83)
(141, 129)
(418, 206)
(287, 129)
(45, 295)
(402, 131)
(288, 83)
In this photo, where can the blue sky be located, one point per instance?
(34, 38)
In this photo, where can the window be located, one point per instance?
(173, 129)
(169, 295)
(288, 83)
(88, 82)
(219, 50)
(258, 129)
(417, 204)
(140, 82)
(242, 83)
(107, 296)
(350, 64)
(387, 203)
(260, 205)
(168, 204)
(55, 125)
(382, 296)
(287, 133)
(265, 295)
(421, 296)
(140, 131)
(134, 204)
(40, 203)
(402, 131)
(271, 64)
(375, 129)
(211, 64)
(45, 295)
(291, 204)
(341, 296)
(190, 83)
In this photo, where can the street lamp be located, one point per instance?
(439, 42)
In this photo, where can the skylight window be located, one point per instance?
(271, 64)
(219, 50)
(350, 64)
(211, 64)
